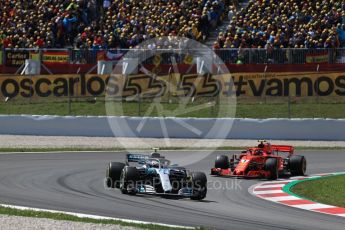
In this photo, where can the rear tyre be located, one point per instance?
(298, 165)
(271, 165)
(222, 162)
(155, 155)
(113, 174)
(199, 185)
(128, 180)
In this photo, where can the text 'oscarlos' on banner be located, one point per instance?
(241, 84)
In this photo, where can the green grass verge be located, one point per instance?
(328, 190)
(61, 216)
(330, 107)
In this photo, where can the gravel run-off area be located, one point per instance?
(29, 223)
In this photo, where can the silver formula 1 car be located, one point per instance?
(155, 175)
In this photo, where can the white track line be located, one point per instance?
(81, 215)
(282, 198)
(312, 206)
(271, 186)
(268, 192)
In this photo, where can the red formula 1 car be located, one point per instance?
(264, 161)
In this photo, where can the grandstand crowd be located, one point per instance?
(286, 24)
(102, 24)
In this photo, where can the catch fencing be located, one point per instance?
(16, 57)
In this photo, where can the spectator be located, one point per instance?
(124, 24)
(287, 24)
(231, 12)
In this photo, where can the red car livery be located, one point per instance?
(264, 161)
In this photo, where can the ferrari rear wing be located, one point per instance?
(283, 148)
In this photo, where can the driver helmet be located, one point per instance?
(261, 145)
(258, 152)
(154, 164)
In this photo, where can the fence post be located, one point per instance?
(70, 54)
(265, 78)
(69, 99)
(3, 59)
(250, 56)
(69, 105)
(139, 105)
(330, 56)
(169, 86)
(289, 106)
(318, 94)
(289, 56)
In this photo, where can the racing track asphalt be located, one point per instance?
(74, 182)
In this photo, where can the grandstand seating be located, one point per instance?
(274, 24)
(104, 23)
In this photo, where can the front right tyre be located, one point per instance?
(199, 185)
(271, 165)
(298, 165)
(113, 174)
(222, 162)
(128, 180)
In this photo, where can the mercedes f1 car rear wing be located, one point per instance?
(131, 157)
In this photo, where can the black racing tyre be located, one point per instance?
(271, 165)
(222, 162)
(199, 185)
(128, 179)
(298, 165)
(113, 174)
(155, 155)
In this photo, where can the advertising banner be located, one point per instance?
(41, 86)
(317, 57)
(290, 84)
(175, 85)
(61, 57)
(241, 84)
(16, 58)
